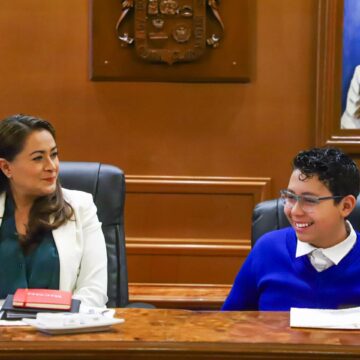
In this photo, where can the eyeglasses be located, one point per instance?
(307, 202)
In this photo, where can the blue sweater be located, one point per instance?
(272, 278)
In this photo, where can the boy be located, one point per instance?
(315, 263)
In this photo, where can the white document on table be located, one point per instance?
(107, 313)
(326, 319)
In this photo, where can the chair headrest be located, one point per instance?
(105, 182)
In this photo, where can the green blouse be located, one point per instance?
(40, 268)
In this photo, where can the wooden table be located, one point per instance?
(180, 296)
(182, 334)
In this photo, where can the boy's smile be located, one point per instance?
(324, 225)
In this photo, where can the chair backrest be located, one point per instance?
(269, 215)
(106, 183)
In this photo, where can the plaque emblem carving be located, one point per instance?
(170, 31)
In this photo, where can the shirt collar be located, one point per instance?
(335, 253)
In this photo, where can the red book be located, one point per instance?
(42, 299)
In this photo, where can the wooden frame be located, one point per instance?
(230, 62)
(328, 89)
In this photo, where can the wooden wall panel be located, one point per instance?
(169, 129)
(192, 207)
(189, 225)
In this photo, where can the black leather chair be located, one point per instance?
(269, 215)
(106, 183)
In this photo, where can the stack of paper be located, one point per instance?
(67, 323)
(327, 319)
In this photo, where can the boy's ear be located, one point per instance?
(348, 204)
(5, 167)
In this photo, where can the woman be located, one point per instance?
(49, 237)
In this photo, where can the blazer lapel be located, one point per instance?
(2, 205)
(65, 240)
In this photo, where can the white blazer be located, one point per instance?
(348, 119)
(82, 251)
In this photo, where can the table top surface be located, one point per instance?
(192, 331)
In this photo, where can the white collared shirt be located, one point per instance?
(322, 259)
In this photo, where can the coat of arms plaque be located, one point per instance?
(170, 31)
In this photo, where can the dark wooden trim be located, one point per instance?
(258, 187)
(200, 247)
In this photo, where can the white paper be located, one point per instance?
(326, 319)
(107, 312)
(67, 323)
(12, 323)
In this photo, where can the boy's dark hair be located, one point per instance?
(336, 170)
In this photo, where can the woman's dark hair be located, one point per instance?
(336, 170)
(47, 212)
